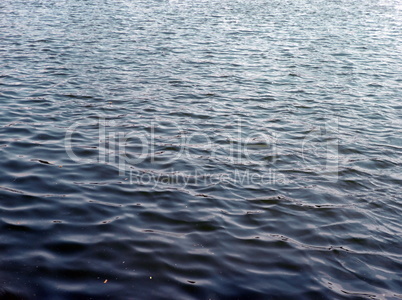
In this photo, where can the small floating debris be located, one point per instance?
(202, 195)
(191, 281)
(44, 162)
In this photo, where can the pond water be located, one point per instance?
(201, 149)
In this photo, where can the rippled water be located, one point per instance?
(201, 149)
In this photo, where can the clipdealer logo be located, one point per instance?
(138, 146)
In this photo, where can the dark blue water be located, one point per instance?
(201, 149)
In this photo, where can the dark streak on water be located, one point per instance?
(305, 73)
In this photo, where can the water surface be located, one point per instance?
(201, 149)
